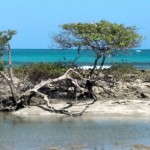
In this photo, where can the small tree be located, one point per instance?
(5, 37)
(2, 51)
(102, 38)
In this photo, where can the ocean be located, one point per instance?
(139, 58)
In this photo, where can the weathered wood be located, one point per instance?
(22, 98)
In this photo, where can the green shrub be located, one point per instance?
(123, 71)
(146, 76)
(123, 68)
(40, 71)
(127, 72)
(1, 66)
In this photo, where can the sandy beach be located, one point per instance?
(107, 107)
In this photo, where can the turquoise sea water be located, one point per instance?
(140, 58)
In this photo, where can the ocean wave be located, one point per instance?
(138, 50)
(90, 67)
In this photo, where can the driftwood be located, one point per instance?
(20, 100)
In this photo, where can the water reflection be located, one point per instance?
(86, 133)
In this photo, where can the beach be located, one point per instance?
(100, 108)
(75, 75)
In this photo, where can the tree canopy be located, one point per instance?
(101, 37)
(5, 37)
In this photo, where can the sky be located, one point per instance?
(37, 21)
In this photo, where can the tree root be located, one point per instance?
(24, 97)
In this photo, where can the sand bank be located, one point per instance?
(109, 107)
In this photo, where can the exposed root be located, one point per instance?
(24, 97)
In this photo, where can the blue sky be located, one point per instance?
(36, 21)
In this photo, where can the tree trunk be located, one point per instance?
(20, 98)
(95, 64)
(14, 95)
(9, 80)
(102, 64)
(10, 63)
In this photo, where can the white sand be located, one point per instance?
(109, 107)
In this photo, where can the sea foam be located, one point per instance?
(90, 67)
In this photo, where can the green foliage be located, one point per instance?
(146, 76)
(123, 68)
(102, 37)
(124, 71)
(127, 72)
(5, 37)
(2, 51)
(99, 36)
(1, 66)
(40, 71)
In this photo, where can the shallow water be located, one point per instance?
(66, 133)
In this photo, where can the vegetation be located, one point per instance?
(45, 81)
(147, 76)
(102, 37)
(2, 51)
(1, 66)
(40, 71)
(123, 71)
(19, 92)
(5, 37)
(123, 68)
(126, 72)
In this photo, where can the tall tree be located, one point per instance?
(5, 37)
(102, 38)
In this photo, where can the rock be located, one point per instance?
(145, 95)
(109, 76)
(130, 75)
(15, 80)
(113, 90)
(121, 102)
(140, 147)
(4, 90)
(119, 95)
(100, 83)
(107, 89)
(101, 75)
(138, 81)
(36, 101)
(25, 86)
(97, 90)
(93, 76)
(131, 96)
(146, 84)
(133, 88)
(120, 85)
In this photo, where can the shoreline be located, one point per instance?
(100, 108)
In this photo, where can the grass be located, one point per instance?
(2, 66)
(126, 72)
(40, 71)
